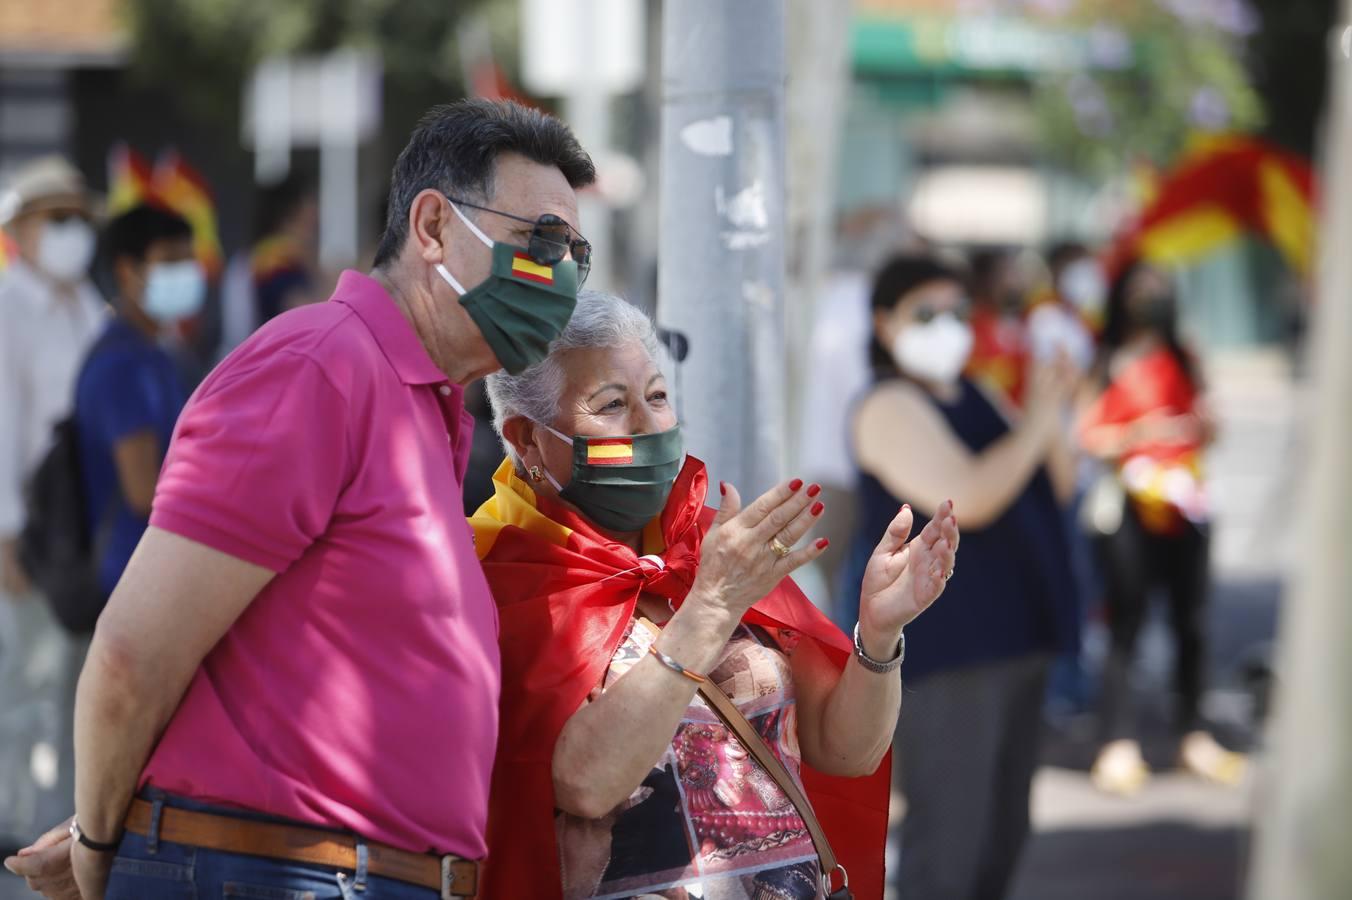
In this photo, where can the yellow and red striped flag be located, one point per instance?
(525, 267)
(610, 451)
(128, 180)
(181, 188)
(1224, 187)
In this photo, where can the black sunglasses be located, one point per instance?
(551, 239)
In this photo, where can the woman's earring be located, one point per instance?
(536, 475)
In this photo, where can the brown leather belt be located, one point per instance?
(451, 875)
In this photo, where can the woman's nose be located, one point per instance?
(642, 421)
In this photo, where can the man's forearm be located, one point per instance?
(174, 602)
(118, 718)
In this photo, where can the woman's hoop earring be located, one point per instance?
(536, 475)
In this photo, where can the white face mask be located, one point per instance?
(1083, 284)
(65, 250)
(174, 291)
(935, 351)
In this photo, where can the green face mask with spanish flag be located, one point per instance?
(521, 306)
(622, 483)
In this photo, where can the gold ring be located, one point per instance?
(778, 548)
(949, 574)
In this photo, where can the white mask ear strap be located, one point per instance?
(450, 279)
(488, 241)
(558, 434)
(550, 479)
(563, 437)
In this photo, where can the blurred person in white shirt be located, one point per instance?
(52, 315)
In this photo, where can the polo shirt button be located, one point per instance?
(445, 390)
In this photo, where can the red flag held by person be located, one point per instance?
(181, 188)
(1223, 188)
(129, 180)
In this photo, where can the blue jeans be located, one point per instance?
(151, 869)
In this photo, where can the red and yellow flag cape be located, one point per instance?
(565, 593)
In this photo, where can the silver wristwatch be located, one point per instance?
(873, 665)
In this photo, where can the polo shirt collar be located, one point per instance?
(394, 333)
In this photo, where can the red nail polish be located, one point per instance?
(814, 490)
(723, 488)
(817, 508)
(795, 484)
(823, 543)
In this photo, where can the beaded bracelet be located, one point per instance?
(673, 665)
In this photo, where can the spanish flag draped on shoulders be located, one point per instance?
(565, 595)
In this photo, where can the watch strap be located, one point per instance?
(86, 840)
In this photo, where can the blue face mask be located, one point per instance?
(174, 291)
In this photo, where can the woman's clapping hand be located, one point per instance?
(904, 578)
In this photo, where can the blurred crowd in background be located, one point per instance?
(1086, 215)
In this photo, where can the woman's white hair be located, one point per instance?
(600, 321)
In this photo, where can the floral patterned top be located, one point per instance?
(708, 821)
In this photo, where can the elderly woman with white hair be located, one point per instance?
(630, 614)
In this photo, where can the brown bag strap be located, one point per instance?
(756, 746)
(746, 733)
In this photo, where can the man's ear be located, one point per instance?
(426, 221)
(519, 431)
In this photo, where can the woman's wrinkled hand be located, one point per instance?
(45, 865)
(903, 578)
(742, 557)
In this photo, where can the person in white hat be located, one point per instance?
(52, 314)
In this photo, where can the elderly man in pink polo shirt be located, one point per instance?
(294, 689)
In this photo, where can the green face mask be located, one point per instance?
(622, 483)
(521, 306)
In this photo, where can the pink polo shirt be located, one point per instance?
(360, 688)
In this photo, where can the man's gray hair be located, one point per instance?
(600, 321)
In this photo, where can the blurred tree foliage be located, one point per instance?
(205, 49)
(1190, 73)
